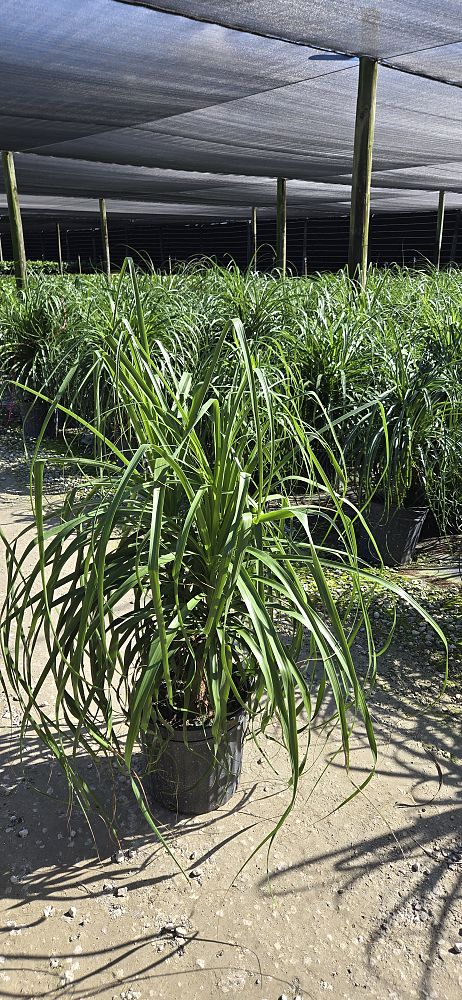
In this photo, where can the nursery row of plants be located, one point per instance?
(394, 351)
(224, 424)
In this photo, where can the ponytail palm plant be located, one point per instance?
(168, 587)
(407, 448)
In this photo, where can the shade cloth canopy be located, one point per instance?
(125, 88)
(418, 36)
(45, 181)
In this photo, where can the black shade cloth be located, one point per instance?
(124, 101)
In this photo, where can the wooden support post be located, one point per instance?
(1, 250)
(281, 225)
(105, 237)
(14, 211)
(79, 263)
(249, 242)
(439, 228)
(455, 235)
(304, 250)
(254, 239)
(362, 169)
(60, 253)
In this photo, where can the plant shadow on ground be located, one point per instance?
(425, 746)
(39, 785)
(425, 839)
(68, 867)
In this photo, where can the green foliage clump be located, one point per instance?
(34, 267)
(379, 372)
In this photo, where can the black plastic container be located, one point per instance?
(396, 531)
(33, 415)
(188, 778)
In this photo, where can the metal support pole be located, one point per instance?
(79, 263)
(14, 211)
(304, 250)
(105, 237)
(455, 235)
(60, 253)
(254, 239)
(281, 225)
(1, 251)
(362, 169)
(439, 228)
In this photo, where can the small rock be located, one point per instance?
(456, 948)
(195, 873)
(415, 867)
(181, 932)
(54, 963)
(48, 911)
(118, 858)
(121, 891)
(200, 963)
(66, 977)
(71, 913)
(13, 928)
(168, 928)
(24, 832)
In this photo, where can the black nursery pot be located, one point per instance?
(188, 778)
(33, 414)
(396, 531)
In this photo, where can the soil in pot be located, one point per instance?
(396, 531)
(188, 778)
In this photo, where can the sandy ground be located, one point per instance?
(360, 902)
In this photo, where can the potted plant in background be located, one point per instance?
(177, 609)
(40, 329)
(405, 453)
